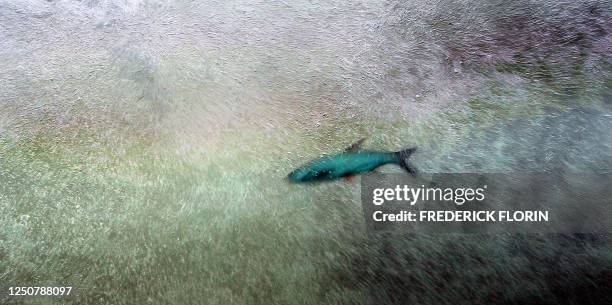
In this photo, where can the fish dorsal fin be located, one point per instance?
(355, 146)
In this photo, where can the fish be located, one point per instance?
(352, 161)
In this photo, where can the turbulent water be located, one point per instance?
(142, 144)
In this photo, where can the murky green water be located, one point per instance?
(143, 143)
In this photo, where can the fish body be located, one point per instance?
(349, 163)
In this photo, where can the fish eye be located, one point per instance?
(319, 174)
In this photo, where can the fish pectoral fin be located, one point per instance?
(355, 146)
(348, 177)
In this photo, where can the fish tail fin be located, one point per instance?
(403, 156)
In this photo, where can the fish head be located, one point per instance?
(298, 175)
(306, 174)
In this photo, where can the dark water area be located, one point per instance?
(483, 269)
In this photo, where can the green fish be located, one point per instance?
(349, 163)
